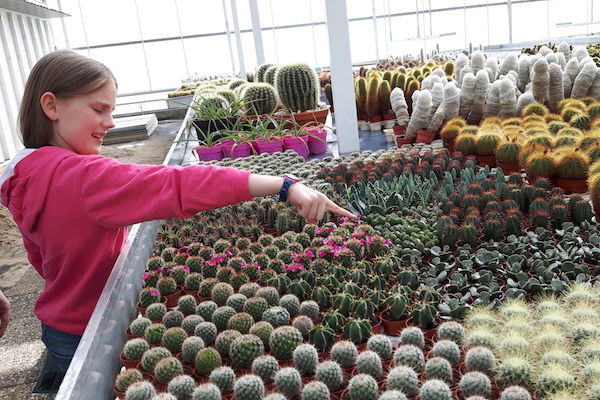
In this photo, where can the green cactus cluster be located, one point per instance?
(207, 360)
(166, 369)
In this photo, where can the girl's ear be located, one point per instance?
(49, 105)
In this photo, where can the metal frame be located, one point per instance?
(96, 361)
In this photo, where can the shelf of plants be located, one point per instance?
(470, 275)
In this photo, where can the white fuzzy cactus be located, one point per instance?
(509, 63)
(584, 80)
(556, 90)
(420, 115)
(492, 102)
(565, 49)
(477, 61)
(437, 95)
(461, 62)
(447, 110)
(523, 70)
(552, 58)
(468, 95)
(482, 83)
(508, 98)
(545, 50)
(580, 52)
(524, 100)
(399, 106)
(595, 89)
(561, 60)
(540, 79)
(492, 63)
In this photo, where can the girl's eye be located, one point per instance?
(98, 111)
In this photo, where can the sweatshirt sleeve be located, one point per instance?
(116, 194)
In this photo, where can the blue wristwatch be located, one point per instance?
(288, 180)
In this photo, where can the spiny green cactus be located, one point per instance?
(438, 368)
(143, 390)
(221, 292)
(207, 360)
(508, 151)
(330, 373)
(305, 358)
(486, 144)
(392, 395)
(223, 377)
(404, 379)
(283, 341)
(291, 303)
(241, 322)
(311, 309)
(322, 337)
(270, 74)
(475, 384)
(358, 330)
(345, 353)
(297, 86)
(256, 306)
(153, 333)
(514, 370)
(369, 362)
(190, 347)
(435, 389)
(166, 285)
(276, 316)
(187, 304)
(448, 350)
(412, 335)
(182, 387)
(134, 349)
(315, 391)
(410, 356)
(149, 295)
(381, 345)
(270, 294)
(245, 349)
(553, 378)
(152, 356)
(261, 98)
(480, 359)
(224, 340)
(263, 330)
(206, 309)
(207, 391)
(166, 369)
(515, 393)
(221, 317)
(207, 331)
(173, 318)
(362, 386)
(304, 324)
(156, 311)
(173, 339)
(265, 366)
(127, 378)
(288, 382)
(190, 322)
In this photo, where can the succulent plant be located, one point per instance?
(221, 317)
(315, 391)
(190, 322)
(304, 324)
(138, 326)
(344, 353)
(166, 369)
(311, 309)
(223, 378)
(207, 331)
(514, 370)
(153, 333)
(127, 378)
(156, 311)
(369, 362)
(263, 330)
(288, 382)
(404, 379)
(249, 289)
(149, 295)
(276, 316)
(515, 393)
(173, 339)
(182, 387)
(256, 306)
(362, 386)
(224, 340)
(173, 318)
(245, 349)
(270, 294)
(305, 359)
(553, 378)
(480, 359)
(206, 309)
(291, 303)
(435, 389)
(241, 322)
(438, 368)
(265, 366)
(330, 373)
(381, 345)
(410, 356)
(206, 391)
(142, 390)
(412, 335)
(221, 292)
(236, 301)
(297, 86)
(190, 347)
(207, 360)
(475, 384)
(152, 356)
(134, 349)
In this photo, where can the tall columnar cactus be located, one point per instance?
(345, 353)
(404, 379)
(399, 106)
(362, 386)
(584, 80)
(330, 373)
(245, 349)
(482, 83)
(266, 367)
(435, 389)
(305, 359)
(143, 390)
(182, 387)
(260, 98)
(224, 378)
(298, 87)
(288, 382)
(420, 117)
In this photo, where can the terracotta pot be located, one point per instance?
(120, 395)
(393, 328)
(424, 136)
(487, 160)
(148, 375)
(509, 168)
(128, 363)
(375, 328)
(303, 118)
(449, 144)
(173, 298)
(572, 185)
(402, 140)
(130, 336)
(399, 129)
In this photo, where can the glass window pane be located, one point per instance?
(166, 63)
(478, 29)
(362, 37)
(447, 22)
(290, 49)
(123, 23)
(562, 12)
(127, 64)
(498, 25)
(359, 8)
(201, 16)
(200, 50)
(527, 29)
(158, 19)
(73, 24)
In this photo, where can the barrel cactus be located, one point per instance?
(480, 359)
(221, 317)
(237, 302)
(381, 345)
(392, 395)
(362, 386)
(404, 379)
(276, 316)
(315, 391)
(156, 311)
(288, 382)
(344, 353)
(206, 391)
(369, 362)
(224, 340)
(515, 393)
(311, 309)
(182, 387)
(263, 330)
(127, 378)
(448, 350)
(413, 335)
(166, 369)
(410, 356)
(173, 339)
(270, 294)
(438, 368)
(283, 341)
(187, 304)
(330, 373)
(134, 349)
(256, 306)
(304, 324)
(305, 359)
(298, 87)
(475, 384)
(207, 360)
(224, 378)
(207, 331)
(206, 309)
(241, 322)
(138, 326)
(265, 366)
(190, 347)
(245, 349)
(152, 357)
(259, 98)
(435, 389)
(143, 390)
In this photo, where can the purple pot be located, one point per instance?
(268, 146)
(297, 143)
(214, 153)
(236, 150)
(318, 144)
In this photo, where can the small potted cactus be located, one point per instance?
(485, 147)
(571, 171)
(394, 318)
(539, 165)
(507, 156)
(594, 188)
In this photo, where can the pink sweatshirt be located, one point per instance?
(73, 210)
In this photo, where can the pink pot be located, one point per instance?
(318, 144)
(214, 153)
(297, 143)
(268, 146)
(236, 150)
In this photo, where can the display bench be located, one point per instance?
(96, 361)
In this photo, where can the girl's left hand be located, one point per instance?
(312, 204)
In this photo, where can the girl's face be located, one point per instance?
(81, 122)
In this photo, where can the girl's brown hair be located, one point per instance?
(64, 73)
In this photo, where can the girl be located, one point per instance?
(73, 206)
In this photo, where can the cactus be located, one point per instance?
(369, 362)
(156, 312)
(190, 322)
(315, 391)
(152, 356)
(480, 359)
(468, 234)
(221, 317)
(283, 341)
(304, 324)
(344, 353)
(127, 378)
(206, 309)
(241, 322)
(269, 76)
(173, 318)
(438, 368)
(166, 369)
(362, 387)
(305, 359)
(237, 302)
(475, 384)
(572, 165)
(410, 356)
(173, 339)
(291, 304)
(249, 289)
(207, 331)
(515, 393)
(207, 391)
(288, 382)
(190, 347)
(404, 379)
(435, 389)
(412, 335)
(358, 330)
(514, 371)
(276, 316)
(256, 306)
(140, 391)
(553, 378)
(166, 285)
(207, 360)
(298, 87)
(330, 373)
(245, 349)
(270, 294)
(540, 164)
(322, 337)
(466, 144)
(263, 330)
(508, 151)
(448, 350)
(221, 292)
(182, 387)
(134, 349)
(149, 295)
(259, 98)
(486, 144)
(224, 340)
(558, 356)
(223, 378)
(311, 309)
(153, 333)
(265, 366)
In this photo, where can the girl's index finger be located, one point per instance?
(334, 208)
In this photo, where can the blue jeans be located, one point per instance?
(61, 348)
